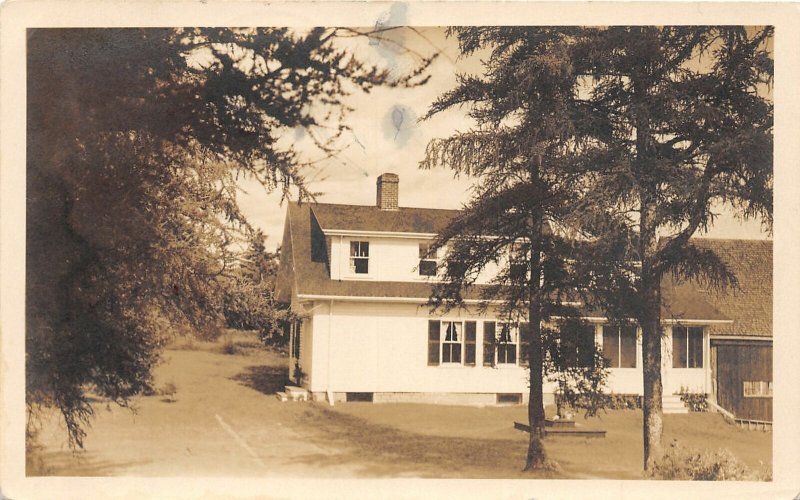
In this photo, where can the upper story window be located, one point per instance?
(687, 347)
(427, 260)
(518, 261)
(359, 257)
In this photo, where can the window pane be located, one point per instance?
(453, 331)
(469, 354)
(425, 251)
(505, 332)
(359, 249)
(427, 268)
(447, 354)
(628, 347)
(360, 266)
(470, 332)
(678, 347)
(611, 345)
(511, 354)
(456, 358)
(695, 347)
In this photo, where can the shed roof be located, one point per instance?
(749, 304)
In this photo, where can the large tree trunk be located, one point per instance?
(650, 322)
(536, 453)
(653, 391)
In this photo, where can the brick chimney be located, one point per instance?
(388, 191)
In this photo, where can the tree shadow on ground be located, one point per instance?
(80, 463)
(264, 379)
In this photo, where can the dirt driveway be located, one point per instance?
(220, 423)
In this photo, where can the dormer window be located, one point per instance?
(359, 257)
(427, 260)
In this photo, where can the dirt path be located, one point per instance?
(219, 424)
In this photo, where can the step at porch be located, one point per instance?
(673, 404)
(292, 393)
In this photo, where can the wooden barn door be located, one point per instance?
(743, 377)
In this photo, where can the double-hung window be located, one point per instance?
(619, 346)
(500, 343)
(427, 260)
(507, 342)
(359, 257)
(451, 342)
(687, 347)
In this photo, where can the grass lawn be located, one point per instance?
(481, 442)
(224, 420)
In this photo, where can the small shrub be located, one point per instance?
(624, 401)
(168, 390)
(681, 463)
(230, 347)
(695, 401)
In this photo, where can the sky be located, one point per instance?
(387, 137)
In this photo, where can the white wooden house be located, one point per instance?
(360, 277)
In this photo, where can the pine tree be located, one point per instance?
(136, 139)
(678, 121)
(526, 199)
(646, 130)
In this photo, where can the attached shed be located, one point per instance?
(743, 370)
(741, 352)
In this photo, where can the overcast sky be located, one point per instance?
(386, 137)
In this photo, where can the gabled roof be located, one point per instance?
(304, 267)
(306, 243)
(372, 218)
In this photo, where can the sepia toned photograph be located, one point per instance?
(479, 252)
(400, 251)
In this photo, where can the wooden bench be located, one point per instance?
(565, 431)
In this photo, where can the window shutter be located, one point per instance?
(469, 343)
(524, 342)
(434, 328)
(488, 343)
